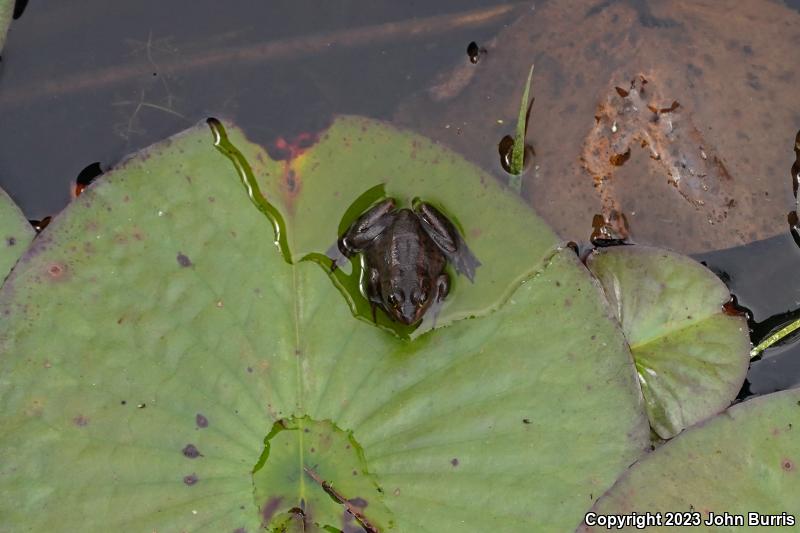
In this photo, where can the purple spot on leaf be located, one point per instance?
(191, 451)
(358, 502)
(269, 509)
(190, 480)
(201, 421)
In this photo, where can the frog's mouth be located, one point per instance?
(408, 313)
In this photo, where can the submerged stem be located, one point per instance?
(775, 338)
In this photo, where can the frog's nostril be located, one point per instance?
(408, 313)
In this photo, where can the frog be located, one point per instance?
(405, 252)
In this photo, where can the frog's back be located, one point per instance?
(404, 246)
(411, 248)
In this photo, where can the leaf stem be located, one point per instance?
(775, 338)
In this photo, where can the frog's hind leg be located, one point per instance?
(448, 239)
(361, 233)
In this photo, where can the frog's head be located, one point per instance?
(407, 303)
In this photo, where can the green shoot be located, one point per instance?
(518, 151)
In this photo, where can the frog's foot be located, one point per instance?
(433, 313)
(465, 262)
(338, 259)
(448, 240)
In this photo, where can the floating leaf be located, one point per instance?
(691, 356)
(155, 337)
(15, 234)
(6, 10)
(319, 192)
(746, 460)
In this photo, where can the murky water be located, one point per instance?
(79, 86)
(84, 84)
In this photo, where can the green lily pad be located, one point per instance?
(317, 193)
(331, 460)
(6, 11)
(746, 460)
(691, 356)
(155, 336)
(16, 234)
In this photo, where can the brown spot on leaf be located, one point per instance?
(11, 241)
(291, 184)
(183, 260)
(526, 420)
(201, 421)
(57, 270)
(454, 461)
(787, 465)
(80, 421)
(191, 451)
(190, 480)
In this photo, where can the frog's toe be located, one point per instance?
(466, 263)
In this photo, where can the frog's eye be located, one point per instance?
(392, 300)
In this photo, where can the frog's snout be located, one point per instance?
(408, 313)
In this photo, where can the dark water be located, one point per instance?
(763, 276)
(88, 82)
(85, 82)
